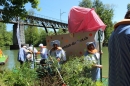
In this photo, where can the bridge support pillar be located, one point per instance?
(21, 36)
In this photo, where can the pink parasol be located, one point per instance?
(84, 19)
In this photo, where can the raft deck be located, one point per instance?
(3, 60)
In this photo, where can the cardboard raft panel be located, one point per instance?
(73, 44)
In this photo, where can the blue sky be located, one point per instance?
(53, 8)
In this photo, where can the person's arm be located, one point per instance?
(26, 50)
(58, 59)
(87, 58)
(58, 55)
(63, 55)
(44, 53)
(99, 66)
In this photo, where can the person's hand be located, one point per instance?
(99, 66)
(38, 52)
(50, 58)
(101, 52)
(31, 52)
(58, 59)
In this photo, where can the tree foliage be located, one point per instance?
(31, 35)
(5, 36)
(35, 36)
(42, 36)
(60, 31)
(105, 12)
(86, 3)
(128, 6)
(16, 8)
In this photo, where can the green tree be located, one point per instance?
(86, 3)
(16, 8)
(5, 36)
(128, 6)
(31, 12)
(105, 12)
(31, 35)
(60, 31)
(8, 37)
(42, 36)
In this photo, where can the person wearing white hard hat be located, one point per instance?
(43, 51)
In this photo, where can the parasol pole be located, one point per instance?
(99, 37)
(99, 33)
(33, 51)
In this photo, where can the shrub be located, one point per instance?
(76, 72)
(19, 77)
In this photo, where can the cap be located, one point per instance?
(93, 43)
(40, 45)
(55, 42)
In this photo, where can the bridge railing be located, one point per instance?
(47, 17)
(40, 16)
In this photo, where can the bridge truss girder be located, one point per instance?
(37, 21)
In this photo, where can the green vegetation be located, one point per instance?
(74, 72)
(128, 6)
(77, 72)
(32, 35)
(38, 35)
(19, 77)
(5, 36)
(16, 8)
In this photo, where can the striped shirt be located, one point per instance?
(119, 56)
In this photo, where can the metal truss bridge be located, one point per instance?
(39, 21)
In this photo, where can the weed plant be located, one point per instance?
(75, 72)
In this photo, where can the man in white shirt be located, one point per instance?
(43, 51)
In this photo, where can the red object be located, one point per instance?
(64, 85)
(90, 34)
(82, 19)
(80, 52)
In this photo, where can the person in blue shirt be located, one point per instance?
(22, 53)
(119, 53)
(92, 57)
